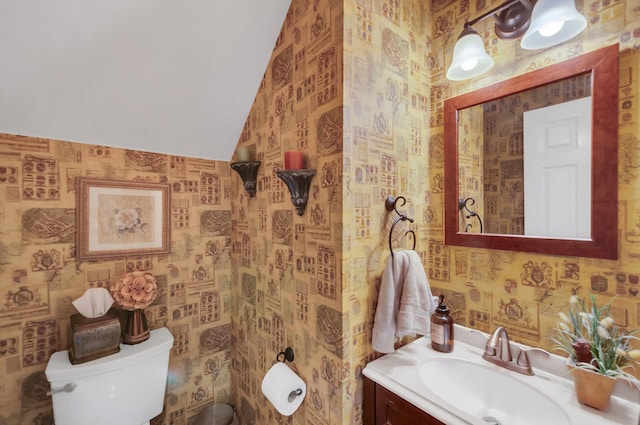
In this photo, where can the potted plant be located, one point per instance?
(599, 351)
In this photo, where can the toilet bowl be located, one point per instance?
(126, 388)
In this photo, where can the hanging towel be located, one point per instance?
(416, 302)
(384, 324)
(405, 302)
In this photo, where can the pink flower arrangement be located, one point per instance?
(135, 290)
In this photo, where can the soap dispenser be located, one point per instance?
(442, 328)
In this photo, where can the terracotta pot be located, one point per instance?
(592, 388)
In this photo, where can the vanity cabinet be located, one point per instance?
(382, 407)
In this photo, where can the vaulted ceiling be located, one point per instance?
(156, 75)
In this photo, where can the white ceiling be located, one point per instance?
(168, 76)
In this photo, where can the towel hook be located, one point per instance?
(390, 205)
(462, 205)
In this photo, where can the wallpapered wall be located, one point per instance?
(40, 277)
(287, 266)
(359, 86)
(314, 288)
(521, 291)
(485, 288)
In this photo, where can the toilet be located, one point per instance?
(126, 388)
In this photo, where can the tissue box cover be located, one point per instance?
(90, 339)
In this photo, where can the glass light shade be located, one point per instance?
(469, 57)
(552, 22)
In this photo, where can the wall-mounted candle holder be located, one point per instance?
(298, 182)
(248, 171)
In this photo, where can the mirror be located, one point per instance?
(485, 179)
(547, 195)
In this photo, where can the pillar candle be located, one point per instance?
(243, 154)
(293, 160)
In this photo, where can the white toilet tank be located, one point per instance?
(126, 388)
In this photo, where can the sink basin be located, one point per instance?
(461, 388)
(487, 394)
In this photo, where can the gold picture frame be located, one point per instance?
(121, 218)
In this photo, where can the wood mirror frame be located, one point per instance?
(603, 64)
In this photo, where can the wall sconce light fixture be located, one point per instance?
(541, 23)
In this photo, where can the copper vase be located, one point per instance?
(592, 388)
(136, 329)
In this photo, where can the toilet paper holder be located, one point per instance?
(293, 394)
(284, 356)
(287, 355)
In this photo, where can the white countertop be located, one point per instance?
(398, 372)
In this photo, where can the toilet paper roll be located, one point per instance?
(283, 388)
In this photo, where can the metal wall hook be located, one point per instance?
(287, 355)
(390, 205)
(462, 205)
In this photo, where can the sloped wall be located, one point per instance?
(287, 267)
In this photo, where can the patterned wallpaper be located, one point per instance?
(359, 87)
(521, 291)
(40, 277)
(288, 267)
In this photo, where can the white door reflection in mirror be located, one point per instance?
(557, 172)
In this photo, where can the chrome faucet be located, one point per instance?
(498, 352)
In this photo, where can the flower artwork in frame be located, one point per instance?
(121, 218)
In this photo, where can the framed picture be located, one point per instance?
(121, 218)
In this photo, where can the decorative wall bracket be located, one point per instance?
(248, 171)
(298, 182)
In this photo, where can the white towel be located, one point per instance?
(405, 302)
(416, 303)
